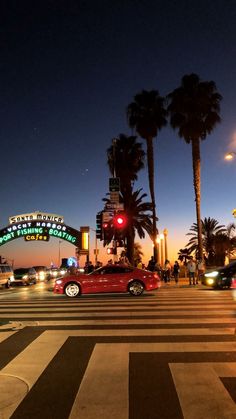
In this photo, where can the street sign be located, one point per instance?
(114, 197)
(114, 206)
(234, 212)
(114, 184)
(107, 216)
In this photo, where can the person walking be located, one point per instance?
(151, 264)
(191, 267)
(200, 269)
(167, 271)
(176, 270)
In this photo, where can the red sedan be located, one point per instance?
(109, 278)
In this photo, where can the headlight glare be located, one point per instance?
(212, 274)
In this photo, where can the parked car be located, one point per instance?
(6, 275)
(25, 276)
(109, 278)
(219, 277)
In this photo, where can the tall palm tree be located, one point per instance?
(194, 110)
(139, 220)
(210, 228)
(147, 115)
(125, 158)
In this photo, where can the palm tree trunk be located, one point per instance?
(197, 189)
(150, 160)
(130, 245)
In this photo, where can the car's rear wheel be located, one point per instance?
(136, 288)
(72, 290)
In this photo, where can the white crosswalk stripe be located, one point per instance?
(196, 319)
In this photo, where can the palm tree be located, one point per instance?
(137, 253)
(125, 158)
(139, 220)
(210, 228)
(148, 115)
(194, 110)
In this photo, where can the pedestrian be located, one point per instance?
(151, 264)
(167, 271)
(191, 267)
(123, 259)
(72, 269)
(90, 267)
(200, 269)
(139, 264)
(176, 269)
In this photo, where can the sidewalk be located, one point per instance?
(183, 282)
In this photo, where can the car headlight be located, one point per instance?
(212, 274)
(210, 281)
(12, 278)
(24, 276)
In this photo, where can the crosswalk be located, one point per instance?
(167, 354)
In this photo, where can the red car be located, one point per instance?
(109, 278)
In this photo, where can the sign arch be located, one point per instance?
(39, 226)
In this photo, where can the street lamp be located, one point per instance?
(162, 249)
(230, 156)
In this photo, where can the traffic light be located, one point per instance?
(99, 226)
(120, 220)
(108, 232)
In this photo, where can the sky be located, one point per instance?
(68, 70)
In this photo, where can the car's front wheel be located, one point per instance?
(72, 289)
(136, 288)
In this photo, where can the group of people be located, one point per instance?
(194, 268)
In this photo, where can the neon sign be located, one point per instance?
(36, 237)
(40, 216)
(55, 229)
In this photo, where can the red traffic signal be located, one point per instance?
(120, 221)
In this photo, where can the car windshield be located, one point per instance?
(20, 271)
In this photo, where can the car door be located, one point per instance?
(93, 282)
(114, 279)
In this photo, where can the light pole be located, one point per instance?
(96, 246)
(59, 253)
(162, 250)
(165, 232)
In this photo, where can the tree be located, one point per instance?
(148, 115)
(139, 220)
(137, 253)
(125, 158)
(194, 110)
(210, 228)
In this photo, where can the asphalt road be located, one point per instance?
(167, 354)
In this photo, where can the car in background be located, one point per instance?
(6, 275)
(219, 277)
(109, 278)
(24, 276)
(42, 272)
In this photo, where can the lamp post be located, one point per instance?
(162, 250)
(230, 156)
(165, 232)
(158, 241)
(59, 253)
(96, 247)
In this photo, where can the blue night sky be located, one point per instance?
(68, 70)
